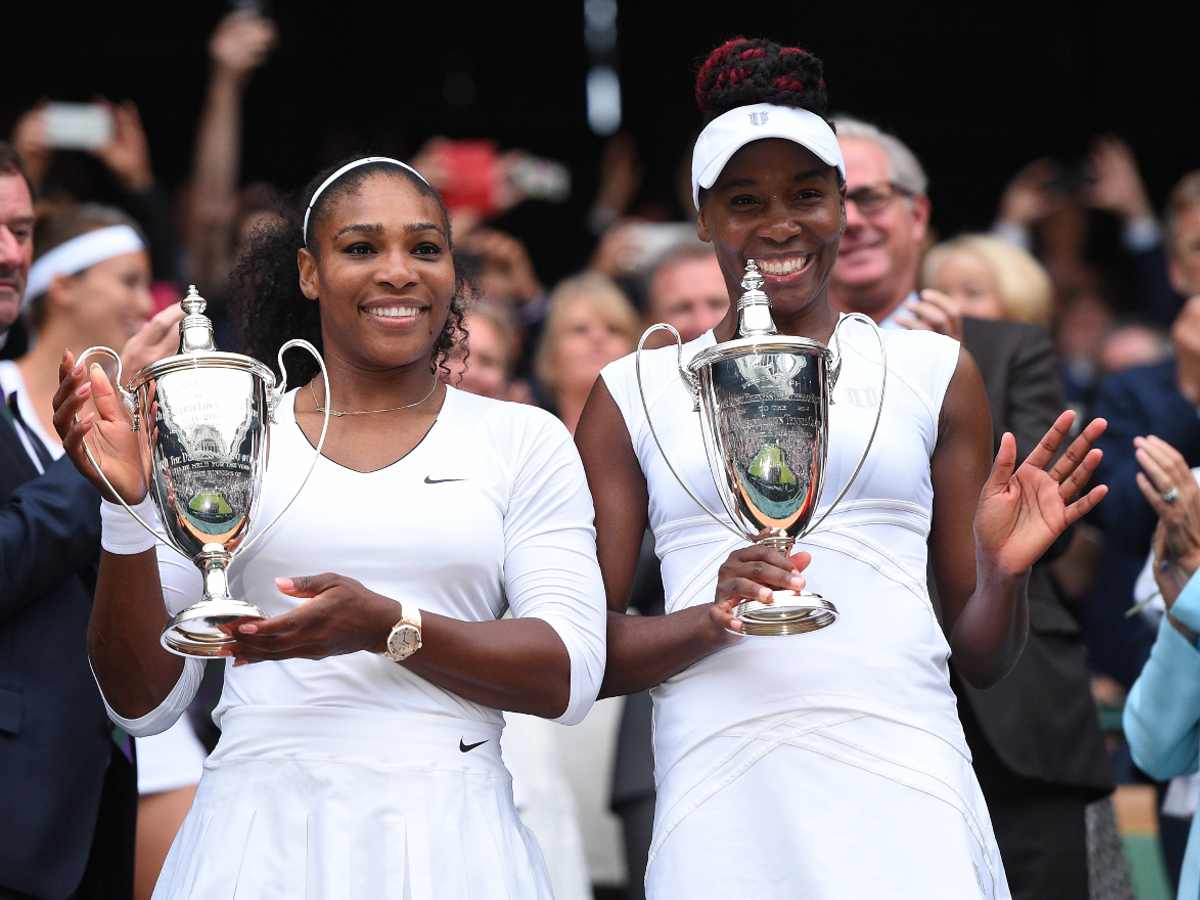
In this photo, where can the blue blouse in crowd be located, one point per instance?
(1162, 715)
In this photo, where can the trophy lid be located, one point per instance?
(197, 348)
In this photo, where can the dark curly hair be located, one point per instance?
(744, 71)
(267, 283)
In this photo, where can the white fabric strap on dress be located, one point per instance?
(365, 161)
(73, 256)
(120, 532)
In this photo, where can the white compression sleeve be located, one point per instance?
(550, 568)
(181, 586)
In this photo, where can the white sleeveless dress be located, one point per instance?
(830, 764)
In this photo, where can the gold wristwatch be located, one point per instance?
(405, 637)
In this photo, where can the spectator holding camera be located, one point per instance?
(125, 156)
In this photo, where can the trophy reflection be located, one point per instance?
(763, 400)
(204, 416)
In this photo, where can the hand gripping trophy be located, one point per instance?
(204, 418)
(763, 400)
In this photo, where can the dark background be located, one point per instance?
(976, 91)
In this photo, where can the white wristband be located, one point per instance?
(120, 532)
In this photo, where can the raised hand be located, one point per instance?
(752, 573)
(29, 139)
(1023, 509)
(1117, 184)
(127, 155)
(336, 615)
(1028, 198)
(933, 311)
(1167, 483)
(156, 339)
(241, 43)
(113, 442)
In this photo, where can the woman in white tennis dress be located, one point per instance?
(351, 765)
(826, 765)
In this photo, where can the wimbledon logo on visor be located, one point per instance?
(758, 118)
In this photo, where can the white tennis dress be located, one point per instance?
(351, 777)
(830, 764)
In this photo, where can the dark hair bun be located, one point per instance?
(745, 71)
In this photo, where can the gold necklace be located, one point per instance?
(369, 412)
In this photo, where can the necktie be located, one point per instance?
(39, 449)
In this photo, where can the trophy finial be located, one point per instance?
(754, 306)
(752, 280)
(196, 330)
(193, 304)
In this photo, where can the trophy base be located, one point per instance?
(792, 612)
(205, 630)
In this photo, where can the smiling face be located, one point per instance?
(106, 303)
(381, 268)
(881, 250)
(776, 203)
(690, 294)
(585, 340)
(969, 280)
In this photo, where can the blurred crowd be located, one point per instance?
(1080, 251)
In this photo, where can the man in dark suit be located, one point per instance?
(68, 793)
(1034, 737)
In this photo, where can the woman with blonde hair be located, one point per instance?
(590, 324)
(990, 279)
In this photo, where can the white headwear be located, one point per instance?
(731, 131)
(366, 160)
(73, 256)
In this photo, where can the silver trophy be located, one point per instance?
(763, 400)
(205, 446)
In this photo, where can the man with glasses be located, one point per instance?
(1034, 737)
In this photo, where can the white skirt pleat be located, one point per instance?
(418, 821)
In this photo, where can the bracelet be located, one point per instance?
(120, 532)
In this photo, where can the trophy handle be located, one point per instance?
(274, 397)
(131, 408)
(693, 387)
(837, 369)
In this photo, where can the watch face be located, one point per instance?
(403, 641)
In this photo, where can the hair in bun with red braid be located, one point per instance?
(745, 71)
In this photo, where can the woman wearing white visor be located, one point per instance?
(830, 764)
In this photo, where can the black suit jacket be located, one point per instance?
(1040, 720)
(55, 739)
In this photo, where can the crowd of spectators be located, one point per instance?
(1126, 331)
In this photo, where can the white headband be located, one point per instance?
(77, 254)
(366, 160)
(731, 131)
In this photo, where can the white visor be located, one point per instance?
(73, 256)
(730, 132)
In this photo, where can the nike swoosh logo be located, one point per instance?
(429, 480)
(467, 748)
